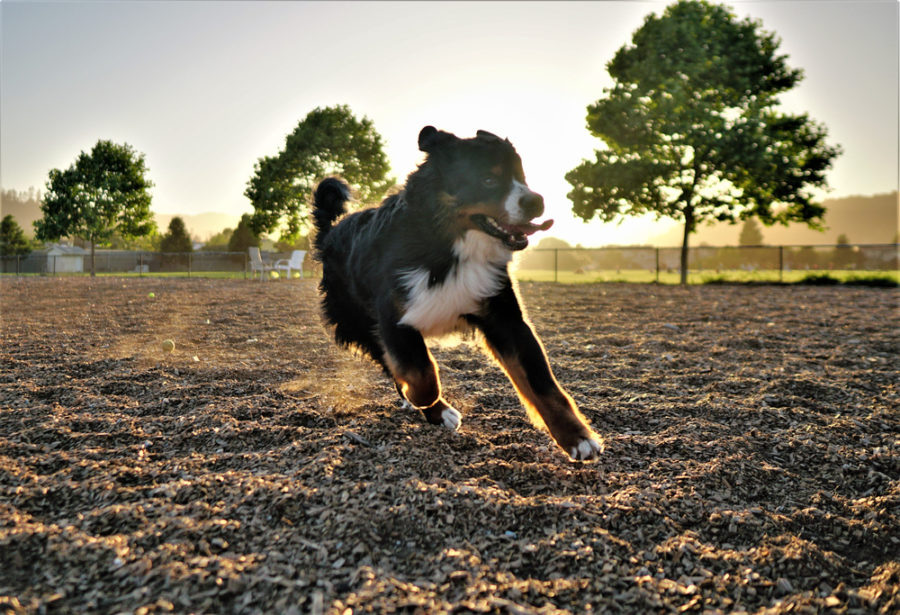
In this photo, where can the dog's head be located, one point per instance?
(484, 185)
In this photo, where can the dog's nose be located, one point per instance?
(532, 205)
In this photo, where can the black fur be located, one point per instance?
(363, 254)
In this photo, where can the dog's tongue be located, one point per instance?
(530, 228)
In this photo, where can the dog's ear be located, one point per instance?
(430, 138)
(487, 136)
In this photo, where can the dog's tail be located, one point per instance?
(329, 204)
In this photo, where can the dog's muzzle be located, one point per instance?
(513, 236)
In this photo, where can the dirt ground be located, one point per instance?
(752, 456)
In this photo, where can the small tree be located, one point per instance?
(300, 243)
(243, 236)
(693, 132)
(750, 235)
(219, 241)
(12, 238)
(103, 192)
(328, 141)
(844, 255)
(177, 238)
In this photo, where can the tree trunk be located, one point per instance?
(93, 270)
(688, 229)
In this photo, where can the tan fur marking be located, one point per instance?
(421, 387)
(556, 412)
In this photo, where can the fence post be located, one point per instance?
(190, 263)
(141, 264)
(657, 265)
(781, 263)
(18, 259)
(556, 264)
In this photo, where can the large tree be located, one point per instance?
(328, 141)
(693, 131)
(102, 193)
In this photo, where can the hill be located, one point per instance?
(25, 207)
(863, 219)
(200, 226)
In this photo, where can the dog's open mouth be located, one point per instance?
(513, 236)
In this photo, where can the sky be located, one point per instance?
(204, 89)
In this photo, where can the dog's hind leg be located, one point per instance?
(415, 374)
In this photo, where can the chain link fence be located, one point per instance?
(124, 262)
(744, 263)
(614, 264)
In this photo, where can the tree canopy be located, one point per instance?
(176, 238)
(328, 141)
(693, 131)
(102, 193)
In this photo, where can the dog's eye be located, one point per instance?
(490, 182)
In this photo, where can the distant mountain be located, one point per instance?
(863, 219)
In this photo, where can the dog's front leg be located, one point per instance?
(415, 373)
(516, 347)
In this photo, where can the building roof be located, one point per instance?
(62, 250)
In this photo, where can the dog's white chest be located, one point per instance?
(478, 274)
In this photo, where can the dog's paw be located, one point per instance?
(405, 405)
(451, 418)
(587, 448)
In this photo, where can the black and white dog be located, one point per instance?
(433, 259)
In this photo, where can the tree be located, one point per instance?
(103, 192)
(844, 255)
(243, 236)
(300, 243)
(177, 238)
(219, 241)
(12, 238)
(328, 141)
(750, 233)
(693, 131)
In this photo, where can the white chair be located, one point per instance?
(257, 264)
(295, 263)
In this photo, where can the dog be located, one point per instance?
(433, 259)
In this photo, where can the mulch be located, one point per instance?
(752, 456)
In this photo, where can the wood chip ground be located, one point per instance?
(752, 457)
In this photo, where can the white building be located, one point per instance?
(64, 259)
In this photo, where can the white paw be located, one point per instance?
(586, 449)
(405, 405)
(451, 418)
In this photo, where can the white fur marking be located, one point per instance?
(477, 275)
(511, 204)
(586, 449)
(452, 418)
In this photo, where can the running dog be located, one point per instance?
(433, 259)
